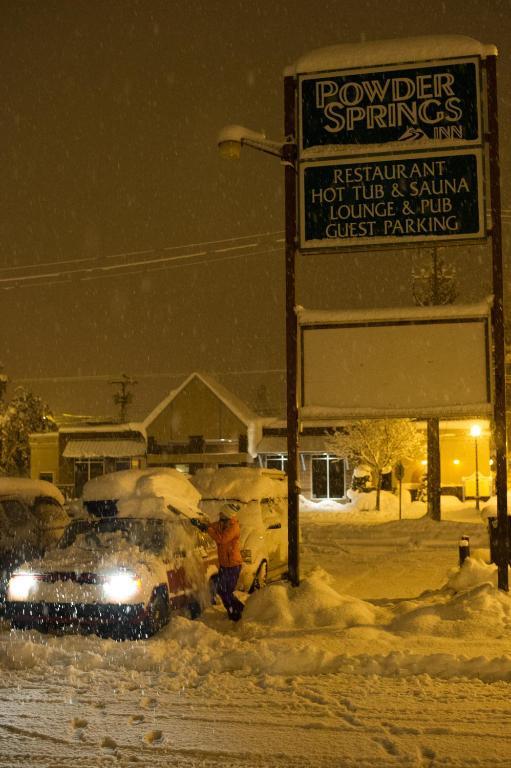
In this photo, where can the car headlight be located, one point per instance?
(121, 585)
(21, 586)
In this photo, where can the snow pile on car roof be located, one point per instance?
(242, 484)
(28, 489)
(145, 492)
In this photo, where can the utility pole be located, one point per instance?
(123, 398)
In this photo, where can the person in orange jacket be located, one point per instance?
(226, 533)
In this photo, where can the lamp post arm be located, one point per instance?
(270, 147)
(232, 137)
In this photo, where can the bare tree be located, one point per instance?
(379, 443)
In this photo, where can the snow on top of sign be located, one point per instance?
(327, 413)
(320, 151)
(395, 51)
(453, 311)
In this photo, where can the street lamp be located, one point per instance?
(475, 431)
(230, 141)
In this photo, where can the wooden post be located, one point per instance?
(434, 469)
(289, 158)
(399, 472)
(499, 406)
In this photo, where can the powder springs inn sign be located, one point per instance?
(393, 190)
(390, 151)
(436, 101)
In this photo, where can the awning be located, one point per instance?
(99, 449)
(306, 444)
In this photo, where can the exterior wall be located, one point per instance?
(457, 462)
(66, 468)
(458, 457)
(196, 410)
(44, 456)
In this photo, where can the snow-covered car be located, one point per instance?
(32, 518)
(122, 570)
(262, 498)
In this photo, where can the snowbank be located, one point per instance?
(460, 629)
(309, 630)
(361, 508)
(490, 508)
(314, 604)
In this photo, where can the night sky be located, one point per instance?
(110, 113)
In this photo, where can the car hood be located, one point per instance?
(75, 560)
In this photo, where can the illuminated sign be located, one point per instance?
(434, 101)
(392, 199)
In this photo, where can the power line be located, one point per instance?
(78, 260)
(190, 264)
(106, 377)
(88, 273)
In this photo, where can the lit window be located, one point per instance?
(327, 477)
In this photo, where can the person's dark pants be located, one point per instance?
(226, 584)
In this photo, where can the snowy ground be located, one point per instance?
(386, 655)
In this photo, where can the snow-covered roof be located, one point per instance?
(108, 427)
(243, 484)
(393, 51)
(89, 449)
(28, 489)
(388, 314)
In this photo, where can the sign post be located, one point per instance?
(289, 159)
(499, 409)
(391, 153)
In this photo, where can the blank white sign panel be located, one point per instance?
(415, 367)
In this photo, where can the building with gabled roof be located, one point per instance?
(201, 423)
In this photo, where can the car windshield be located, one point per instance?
(148, 534)
(49, 512)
